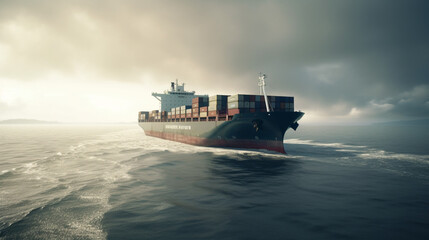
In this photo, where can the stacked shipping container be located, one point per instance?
(183, 110)
(203, 111)
(153, 116)
(282, 104)
(241, 103)
(197, 103)
(218, 105)
(143, 116)
(221, 106)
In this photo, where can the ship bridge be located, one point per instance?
(175, 97)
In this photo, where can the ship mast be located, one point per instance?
(261, 85)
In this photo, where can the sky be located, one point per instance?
(344, 61)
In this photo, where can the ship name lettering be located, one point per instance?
(181, 127)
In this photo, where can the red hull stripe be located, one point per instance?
(271, 145)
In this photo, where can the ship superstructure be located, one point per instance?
(175, 97)
(238, 121)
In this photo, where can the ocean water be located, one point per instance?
(113, 182)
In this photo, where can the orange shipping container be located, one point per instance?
(212, 113)
(216, 113)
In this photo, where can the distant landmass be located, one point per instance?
(419, 122)
(26, 121)
(35, 121)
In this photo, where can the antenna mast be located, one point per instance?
(261, 85)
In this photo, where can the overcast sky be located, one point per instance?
(99, 61)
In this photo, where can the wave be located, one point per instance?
(7, 173)
(151, 145)
(65, 180)
(363, 152)
(320, 144)
(382, 155)
(62, 214)
(361, 156)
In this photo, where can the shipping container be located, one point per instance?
(234, 105)
(195, 110)
(218, 102)
(184, 107)
(182, 115)
(232, 112)
(217, 107)
(203, 109)
(212, 103)
(195, 114)
(143, 115)
(218, 98)
(202, 104)
(188, 115)
(216, 113)
(203, 114)
(200, 100)
(235, 98)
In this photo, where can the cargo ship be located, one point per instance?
(226, 121)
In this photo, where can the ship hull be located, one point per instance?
(246, 130)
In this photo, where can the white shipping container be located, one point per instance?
(215, 105)
(203, 114)
(218, 102)
(189, 110)
(235, 98)
(214, 108)
(234, 105)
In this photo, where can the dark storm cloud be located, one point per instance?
(337, 57)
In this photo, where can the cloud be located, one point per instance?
(336, 57)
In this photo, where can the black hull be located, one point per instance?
(245, 130)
